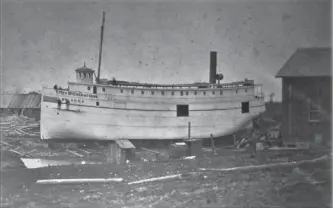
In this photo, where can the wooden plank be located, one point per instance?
(80, 180)
(75, 153)
(252, 167)
(176, 176)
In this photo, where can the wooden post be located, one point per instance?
(189, 145)
(189, 130)
(212, 144)
(111, 152)
(234, 138)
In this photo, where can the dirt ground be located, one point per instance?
(306, 185)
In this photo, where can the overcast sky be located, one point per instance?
(44, 41)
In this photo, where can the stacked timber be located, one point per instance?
(14, 125)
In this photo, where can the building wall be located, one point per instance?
(273, 110)
(32, 113)
(296, 95)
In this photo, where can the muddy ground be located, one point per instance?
(307, 185)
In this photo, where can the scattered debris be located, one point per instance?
(265, 137)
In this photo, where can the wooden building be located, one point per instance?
(119, 151)
(22, 104)
(307, 97)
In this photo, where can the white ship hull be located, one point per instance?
(148, 119)
(110, 110)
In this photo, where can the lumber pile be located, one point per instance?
(19, 126)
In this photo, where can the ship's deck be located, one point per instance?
(170, 86)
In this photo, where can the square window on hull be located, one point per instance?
(182, 111)
(245, 107)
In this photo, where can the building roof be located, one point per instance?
(84, 69)
(31, 100)
(5, 100)
(308, 62)
(125, 144)
(17, 101)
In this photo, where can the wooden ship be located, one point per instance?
(106, 110)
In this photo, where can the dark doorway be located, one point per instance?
(95, 90)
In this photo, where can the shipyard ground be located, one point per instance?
(288, 187)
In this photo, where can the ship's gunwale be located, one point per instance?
(184, 87)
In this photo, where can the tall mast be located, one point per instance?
(100, 49)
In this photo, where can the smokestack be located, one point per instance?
(212, 71)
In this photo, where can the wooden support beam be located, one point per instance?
(189, 130)
(212, 144)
